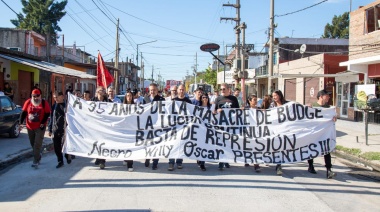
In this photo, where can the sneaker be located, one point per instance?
(147, 162)
(125, 163)
(221, 166)
(227, 165)
(179, 166)
(203, 168)
(171, 167)
(311, 170)
(257, 168)
(60, 164)
(246, 165)
(199, 162)
(279, 169)
(35, 165)
(154, 167)
(330, 174)
(102, 165)
(97, 162)
(130, 169)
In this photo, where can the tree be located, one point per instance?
(209, 76)
(339, 27)
(41, 16)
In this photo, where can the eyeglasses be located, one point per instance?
(37, 95)
(204, 97)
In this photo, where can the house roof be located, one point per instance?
(49, 67)
(314, 41)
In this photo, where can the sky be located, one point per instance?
(174, 30)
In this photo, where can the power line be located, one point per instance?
(301, 9)
(18, 15)
(173, 30)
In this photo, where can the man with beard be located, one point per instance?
(181, 90)
(153, 96)
(36, 111)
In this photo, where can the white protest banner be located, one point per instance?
(286, 134)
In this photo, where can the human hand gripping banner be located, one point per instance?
(171, 129)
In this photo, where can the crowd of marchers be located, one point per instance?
(36, 112)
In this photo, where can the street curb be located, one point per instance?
(356, 159)
(19, 157)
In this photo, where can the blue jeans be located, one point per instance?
(178, 161)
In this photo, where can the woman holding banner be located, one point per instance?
(205, 102)
(278, 100)
(128, 99)
(252, 101)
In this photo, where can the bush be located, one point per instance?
(371, 155)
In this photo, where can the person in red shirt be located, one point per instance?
(36, 111)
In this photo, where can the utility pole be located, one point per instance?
(117, 58)
(142, 73)
(237, 27)
(152, 74)
(243, 71)
(271, 40)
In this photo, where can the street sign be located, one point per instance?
(246, 46)
(210, 47)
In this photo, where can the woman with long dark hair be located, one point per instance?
(205, 102)
(267, 100)
(128, 99)
(278, 100)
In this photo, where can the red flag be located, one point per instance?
(104, 77)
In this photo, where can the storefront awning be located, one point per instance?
(362, 61)
(50, 67)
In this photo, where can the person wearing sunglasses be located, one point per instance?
(225, 101)
(35, 113)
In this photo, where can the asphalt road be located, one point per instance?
(81, 186)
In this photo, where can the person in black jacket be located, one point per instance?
(153, 96)
(225, 100)
(57, 127)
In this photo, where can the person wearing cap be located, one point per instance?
(323, 97)
(36, 111)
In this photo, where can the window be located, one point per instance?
(372, 19)
(6, 105)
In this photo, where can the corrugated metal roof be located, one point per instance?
(314, 41)
(50, 67)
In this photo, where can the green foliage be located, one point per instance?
(352, 151)
(371, 155)
(208, 76)
(339, 27)
(41, 16)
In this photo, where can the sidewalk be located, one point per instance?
(13, 150)
(348, 133)
(352, 135)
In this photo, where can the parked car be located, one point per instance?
(9, 117)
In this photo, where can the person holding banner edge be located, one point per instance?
(153, 96)
(225, 100)
(181, 90)
(278, 100)
(323, 101)
(100, 97)
(128, 99)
